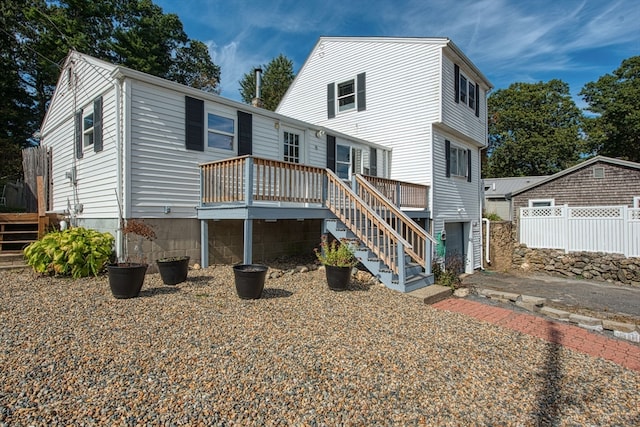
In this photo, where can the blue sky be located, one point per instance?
(509, 40)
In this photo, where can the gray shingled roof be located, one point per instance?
(500, 187)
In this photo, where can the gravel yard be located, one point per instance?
(195, 354)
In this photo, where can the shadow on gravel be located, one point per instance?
(548, 405)
(199, 279)
(165, 290)
(275, 293)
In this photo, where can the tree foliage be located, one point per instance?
(276, 78)
(615, 101)
(38, 34)
(534, 129)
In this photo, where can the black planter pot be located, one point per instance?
(173, 270)
(337, 277)
(126, 279)
(250, 280)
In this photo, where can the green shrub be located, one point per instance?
(449, 274)
(75, 252)
(491, 216)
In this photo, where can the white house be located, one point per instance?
(423, 98)
(219, 180)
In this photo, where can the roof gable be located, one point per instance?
(585, 164)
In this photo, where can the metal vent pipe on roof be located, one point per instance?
(257, 101)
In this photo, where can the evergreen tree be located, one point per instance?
(276, 78)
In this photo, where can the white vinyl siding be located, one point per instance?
(461, 116)
(403, 126)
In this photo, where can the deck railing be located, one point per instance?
(398, 220)
(247, 179)
(372, 213)
(370, 228)
(403, 194)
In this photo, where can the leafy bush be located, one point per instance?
(75, 252)
(491, 216)
(449, 275)
(336, 254)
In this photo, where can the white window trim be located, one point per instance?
(301, 144)
(465, 91)
(454, 149)
(355, 95)
(636, 202)
(234, 146)
(88, 111)
(551, 202)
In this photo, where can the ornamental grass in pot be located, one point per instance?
(338, 259)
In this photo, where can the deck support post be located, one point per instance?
(204, 243)
(248, 241)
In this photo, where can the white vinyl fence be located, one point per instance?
(611, 229)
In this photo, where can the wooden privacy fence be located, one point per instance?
(610, 229)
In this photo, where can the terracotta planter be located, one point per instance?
(249, 280)
(126, 279)
(337, 277)
(173, 270)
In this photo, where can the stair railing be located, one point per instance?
(417, 236)
(366, 224)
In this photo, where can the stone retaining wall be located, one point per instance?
(611, 268)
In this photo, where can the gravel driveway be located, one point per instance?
(195, 354)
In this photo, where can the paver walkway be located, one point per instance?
(573, 337)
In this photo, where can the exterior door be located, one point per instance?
(455, 254)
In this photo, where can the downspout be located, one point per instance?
(117, 83)
(486, 240)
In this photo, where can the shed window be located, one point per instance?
(220, 132)
(541, 203)
(598, 172)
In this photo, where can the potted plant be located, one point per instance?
(173, 270)
(249, 279)
(127, 275)
(338, 259)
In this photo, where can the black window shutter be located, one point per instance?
(373, 161)
(194, 123)
(469, 165)
(362, 99)
(245, 133)
(97, 124)
(331, 100)
(78, 125)
(331, 152)
(477, 100)
(447, 157)
(456, 81)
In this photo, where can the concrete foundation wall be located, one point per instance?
(270, 239)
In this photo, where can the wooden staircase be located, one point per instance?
(17, 230)
(387, 242)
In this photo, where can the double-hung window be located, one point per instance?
(463, 89)
(467, 92)
(87, 127)
(220, 132)
(347, 95)
(472, 95)
(459, 161)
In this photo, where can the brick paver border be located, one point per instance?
(573, 337)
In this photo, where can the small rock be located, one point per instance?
(461, 292)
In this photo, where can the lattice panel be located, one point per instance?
(547, 211)
(596, 212)
(634, 214)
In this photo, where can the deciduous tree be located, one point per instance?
(534, 129)
(614, 131)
